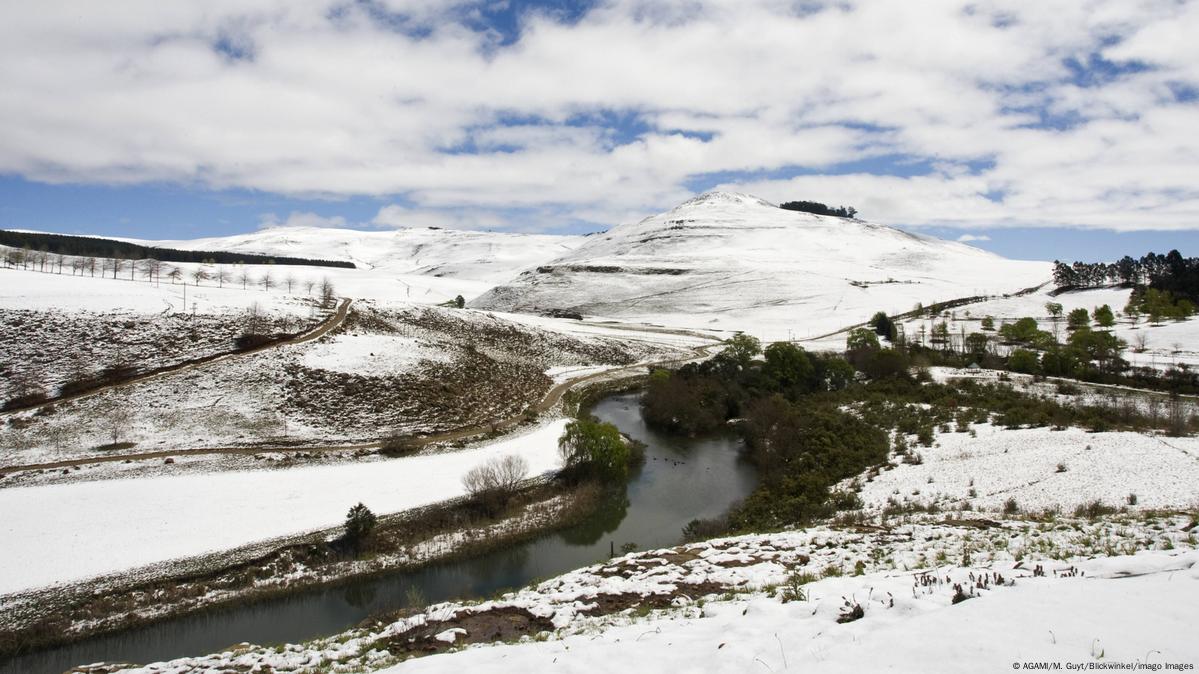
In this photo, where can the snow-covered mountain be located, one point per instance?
(736, 262)
(461, 254)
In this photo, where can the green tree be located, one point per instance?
(1104, 316)
(1078, 318)
(988, 323)
(976, 344)
(742, 348)
(595, 448)
(360, 524)
(883, 326)
(861, 339)
(789, 367)
(837, 373)
(1022, 360)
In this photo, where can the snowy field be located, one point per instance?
(978, 594)
(1041, 469)
(66, 533)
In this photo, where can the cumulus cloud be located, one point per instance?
(1054, 113)
(967, 238)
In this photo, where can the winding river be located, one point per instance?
(683, 479)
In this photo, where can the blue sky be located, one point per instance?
(1038, 132)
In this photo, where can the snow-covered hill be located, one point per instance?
(735, 262)
(452, 253)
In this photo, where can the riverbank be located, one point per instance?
(404, 541)
(801, 594)
(681, 479)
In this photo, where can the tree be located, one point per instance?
(742, 348)
(1078, 318)
(1054, 309)
(360, 524)
(861, 339)
(290, 282)
(221, 276)
(494, 482)
(309, 284)
(198, 274)
(1104, 316)
(789, 367)
(976, 344)
(883, 326)
(595, 448)
(328, 295)
(175, 274)
(1140, 343)
(459, 302)
(243, 277)
(1022, 360)
(267, 281)
(988, 323)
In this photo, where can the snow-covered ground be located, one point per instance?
(1167, 344)
(725, 261)
(917, 596)
(63, 533)
(1041, 469)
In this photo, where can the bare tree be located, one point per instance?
(198, 274)
(1141, 342)
(289, 281)
(221, 276)
(267, 281)
(309, 284)
(328, 294)
(91, 265)
(244, 278)
(255, 319)
(175, 274)
(118, 263)
(493, 483)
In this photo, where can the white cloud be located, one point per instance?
(967, 238)
(319, 97)
(300, 219)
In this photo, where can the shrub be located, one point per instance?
(1010, 507)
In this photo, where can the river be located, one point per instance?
(682, 479)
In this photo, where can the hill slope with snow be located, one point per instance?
(735, 262)
(461, 254)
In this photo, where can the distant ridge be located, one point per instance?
(87, 246)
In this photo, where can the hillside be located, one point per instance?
(460, 254)
(735, 262)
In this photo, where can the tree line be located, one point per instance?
(33, 246)
(1170, 272)
(820, 209)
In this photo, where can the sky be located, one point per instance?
(1054, 129)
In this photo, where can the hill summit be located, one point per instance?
(733, 261)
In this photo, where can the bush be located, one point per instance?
(1010, 507)
(399, 446)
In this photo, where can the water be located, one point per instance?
(683, 478)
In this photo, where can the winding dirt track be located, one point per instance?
(551, 398)
(331, 323)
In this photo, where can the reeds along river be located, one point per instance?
(682, 479)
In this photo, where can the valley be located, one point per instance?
(198, 456)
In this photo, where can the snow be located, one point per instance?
(32, 290)
(1022, 464)
(1077, 620)
(370, 354)
(1033, 591)
(63, 533)
(730, 262)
